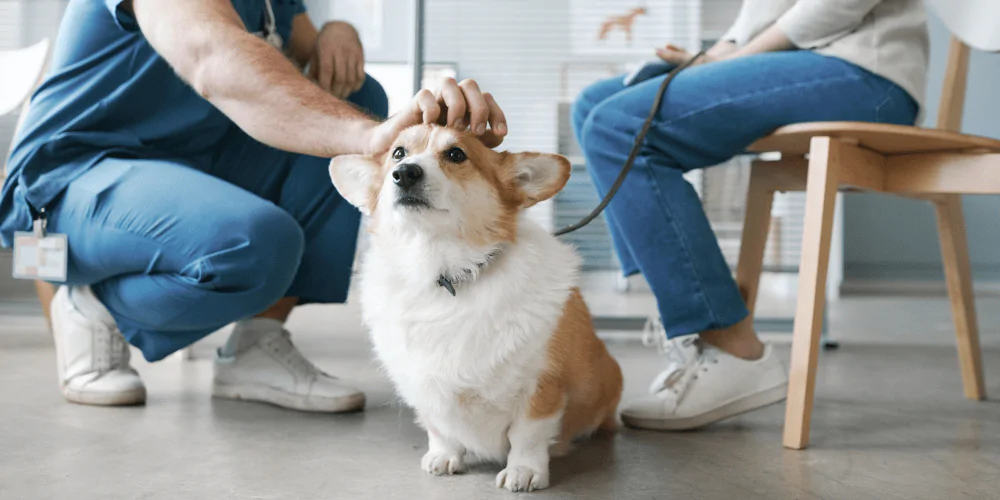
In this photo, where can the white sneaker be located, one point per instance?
(91, 355)
(703, 384)
(260, 363)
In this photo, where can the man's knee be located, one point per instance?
(279, 243)
(257, 258)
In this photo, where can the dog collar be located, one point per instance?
(448, 282)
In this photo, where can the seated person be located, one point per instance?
(782, 62)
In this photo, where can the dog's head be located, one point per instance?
(444, 182)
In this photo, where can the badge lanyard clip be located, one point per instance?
(39, 224)
(271, 27)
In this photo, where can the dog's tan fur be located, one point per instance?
(581, 379)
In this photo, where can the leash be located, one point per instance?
(639, 138)
(449, 282)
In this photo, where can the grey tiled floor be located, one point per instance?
(890, 422)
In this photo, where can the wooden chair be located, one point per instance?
(938, 165)
(23, 70)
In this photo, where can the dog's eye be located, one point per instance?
(398, 153)
(455, 155)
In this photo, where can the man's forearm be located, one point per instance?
(273, 102)
(248, 80)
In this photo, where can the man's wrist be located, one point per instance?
(362, 132)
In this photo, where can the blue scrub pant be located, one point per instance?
(178, 248)
(709, 114)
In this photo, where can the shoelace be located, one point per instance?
(686, 357)
(110, 349)
(283, 346)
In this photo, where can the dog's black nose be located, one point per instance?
(406, 175)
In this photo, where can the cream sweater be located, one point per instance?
(887, 37)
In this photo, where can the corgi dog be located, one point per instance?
(474, 310)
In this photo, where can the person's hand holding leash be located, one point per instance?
(338, 63)
(459, 105)
(770, 40)
(677, 56)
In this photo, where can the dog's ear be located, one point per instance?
(354, 177)
(539, 175)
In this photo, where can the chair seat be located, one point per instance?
(886, 139)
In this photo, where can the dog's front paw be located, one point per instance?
(440, 463)
(522, 478)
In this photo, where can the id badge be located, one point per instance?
(40, 256)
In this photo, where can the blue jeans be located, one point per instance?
(178, 248)
(709, 114)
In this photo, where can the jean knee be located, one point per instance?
(590, 97)
(608, 137)
(606, 128)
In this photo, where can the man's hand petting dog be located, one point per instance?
(458, 105)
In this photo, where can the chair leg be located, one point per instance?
(958, 274)
(756, 227)
(821, 195)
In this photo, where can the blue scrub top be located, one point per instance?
(108, 93)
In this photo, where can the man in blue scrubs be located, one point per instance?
(179, 147)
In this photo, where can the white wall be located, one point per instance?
(514, 49)
(385, 26)
(717, 16)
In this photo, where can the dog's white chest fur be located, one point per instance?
(466, 363)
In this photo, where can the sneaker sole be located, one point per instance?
(749, 403)
(264, 394)
(120, 398)
(130, 397)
